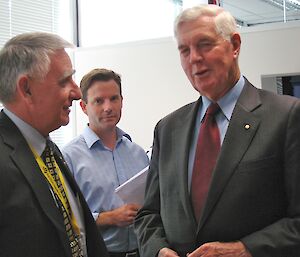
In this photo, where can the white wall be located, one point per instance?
(270, 50)
(155, 85)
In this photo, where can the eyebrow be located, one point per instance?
(70, 73)
(181, 46)
(67, 74)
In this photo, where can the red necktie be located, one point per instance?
(208, 147)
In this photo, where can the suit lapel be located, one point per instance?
(24, 160)
(181, 138)
(242, 128)
(37, 182)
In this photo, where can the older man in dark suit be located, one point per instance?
(232, 191)
(42, 211)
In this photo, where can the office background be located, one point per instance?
(154, 83)
(134, 38)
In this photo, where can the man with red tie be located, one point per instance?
(224, 175)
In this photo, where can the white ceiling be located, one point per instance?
(253, 12)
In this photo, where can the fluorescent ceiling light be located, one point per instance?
(294, 2)
(289, 4)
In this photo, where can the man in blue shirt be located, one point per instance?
(103, 157)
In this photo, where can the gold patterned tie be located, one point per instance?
(50, 162)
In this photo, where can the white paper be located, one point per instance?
(133, 190)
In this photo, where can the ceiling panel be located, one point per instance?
(253, 12)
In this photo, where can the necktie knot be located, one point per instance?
(48, 151)
(49, 144)
(212, 109)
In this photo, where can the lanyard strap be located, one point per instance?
(51, 181)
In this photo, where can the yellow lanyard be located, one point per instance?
(55, 188)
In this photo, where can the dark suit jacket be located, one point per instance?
(255, 191)
(30, 223)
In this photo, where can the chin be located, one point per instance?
(65, 121)
(204, 87)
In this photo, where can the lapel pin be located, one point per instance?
(247, 126)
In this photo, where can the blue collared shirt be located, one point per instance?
(98, 170)
(227, 104)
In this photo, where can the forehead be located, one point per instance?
(109, 87)
(60, 57)
(60, 64)
(202, 26)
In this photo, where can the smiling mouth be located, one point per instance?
(201, 73)
(67, 108)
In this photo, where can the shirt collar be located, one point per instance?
(227, 102)
(91, 137)
(32, 136)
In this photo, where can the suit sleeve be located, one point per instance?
(148, 223)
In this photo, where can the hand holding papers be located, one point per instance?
(132, 191)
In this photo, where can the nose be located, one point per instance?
(195, 55)
(107, 106)
(75, 92)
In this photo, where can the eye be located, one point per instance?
(63, 82)
(98, 101)
(114, 98)
(205, 46)
(185, 51)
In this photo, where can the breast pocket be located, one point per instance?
(269, 164)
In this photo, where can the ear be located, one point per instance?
(236, 43)
(23, 86)
(83, 106)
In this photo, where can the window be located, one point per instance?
(114, 21)
(19, 16)
(103, 22)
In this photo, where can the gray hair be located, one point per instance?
(29, 54)
(225, 23)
